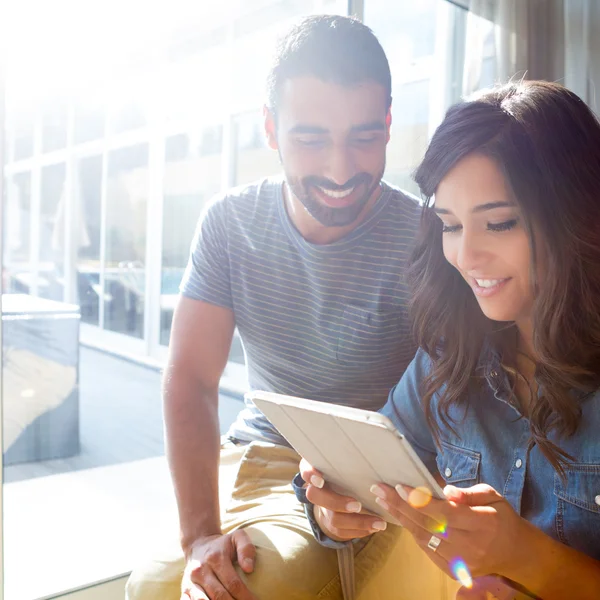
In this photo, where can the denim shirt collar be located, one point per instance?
(489, 366)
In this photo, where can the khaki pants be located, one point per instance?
(256, 494)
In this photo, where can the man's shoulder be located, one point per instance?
(401, 201)
(261, 192)
(400, 215)
(243, 205)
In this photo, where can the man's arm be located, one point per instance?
(200, 341)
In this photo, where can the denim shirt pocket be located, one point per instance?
(578, 508)
(458, 466)
(367, 337)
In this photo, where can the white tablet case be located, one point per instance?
(353, 448)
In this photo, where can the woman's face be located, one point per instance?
(484, 237)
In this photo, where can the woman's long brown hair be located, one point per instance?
(546, 141)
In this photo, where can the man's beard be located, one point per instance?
(329, 216)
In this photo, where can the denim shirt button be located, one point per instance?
(597, 499)
(448, 473)
(518, 463)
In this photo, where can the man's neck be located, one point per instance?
(317, 233)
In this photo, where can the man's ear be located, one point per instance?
(270, 128)
(388, 124)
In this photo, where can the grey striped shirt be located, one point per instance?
(326, 322)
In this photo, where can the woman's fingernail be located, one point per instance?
(378, 491)
(451, 492)
(317, 481)
(380, 525)
(248, 563)
(382, 503)
(402, 492)
(354, 507)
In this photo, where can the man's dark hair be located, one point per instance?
(332, 48)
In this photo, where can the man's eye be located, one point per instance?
(366, 140)
(310, 142)
(450, 228)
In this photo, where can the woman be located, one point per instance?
(503, 398)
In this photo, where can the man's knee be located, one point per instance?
(156, 580)
(289, 564)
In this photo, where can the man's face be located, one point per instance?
(331, 141)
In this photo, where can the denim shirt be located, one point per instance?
(491, 446)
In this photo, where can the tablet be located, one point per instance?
(352, 448)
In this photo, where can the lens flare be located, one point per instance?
(419, 497)
(440, 527)
(461, 572)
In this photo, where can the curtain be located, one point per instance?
(582, 56)
(556, 40)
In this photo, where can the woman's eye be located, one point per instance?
(505, 226)
(450, 228)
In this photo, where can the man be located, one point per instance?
(310, 268)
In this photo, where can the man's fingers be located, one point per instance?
(231, 581)
(193, 592)
(214, 588)
(329, 499)
(245, 550)
(310, 474)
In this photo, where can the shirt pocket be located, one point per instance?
(578, 508)
(458, 466)
(368, 337)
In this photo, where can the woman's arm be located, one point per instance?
(552, 570)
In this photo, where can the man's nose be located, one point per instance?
(341, 166)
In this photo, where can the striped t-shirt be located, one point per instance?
(326, 322)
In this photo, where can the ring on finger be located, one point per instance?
(433, 543)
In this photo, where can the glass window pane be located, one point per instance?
(89, 116)
(416, 37)
(54, 125)
(125, 268)
(193, 166)
(50, 280)
(17, 228)
(129, 104)
(23, 138)
(87, 231)
(252, 157)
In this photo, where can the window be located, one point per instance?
(421, 41)
(253, 158)
(50, 266)
(87, 231)
(54, 125)
(193, 165)
(16, 265)
(125, 235)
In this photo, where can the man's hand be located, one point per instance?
(209, 572)
(340, 517)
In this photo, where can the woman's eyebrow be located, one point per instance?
(476, 209)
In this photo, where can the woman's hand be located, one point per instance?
(476, 526)
(339, 517)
